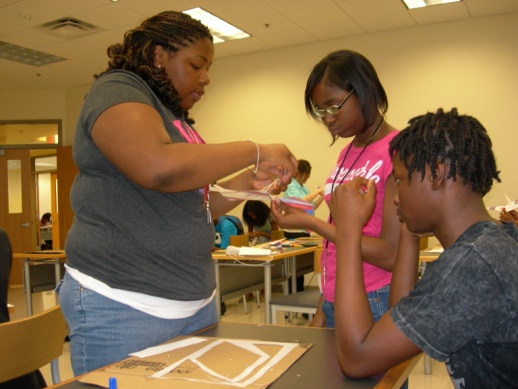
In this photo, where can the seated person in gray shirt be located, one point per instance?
(464, 309)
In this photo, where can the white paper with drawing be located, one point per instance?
(199, 362)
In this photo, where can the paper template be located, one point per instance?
(197, 362)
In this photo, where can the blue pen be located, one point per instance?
(112, 383)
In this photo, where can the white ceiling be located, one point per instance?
(272, 24)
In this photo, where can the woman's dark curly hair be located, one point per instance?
(170, 29)
(449, 137)
(348, 69)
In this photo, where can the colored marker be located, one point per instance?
(112, 383)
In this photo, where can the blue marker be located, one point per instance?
(112, 383)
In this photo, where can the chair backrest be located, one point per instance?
(240, 240)
(30, 343)
(276, 235)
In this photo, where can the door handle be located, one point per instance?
(25, 225)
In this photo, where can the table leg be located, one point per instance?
(218, 289)
(293, 273)
(267, 292)
(27, 285)
(57, 271)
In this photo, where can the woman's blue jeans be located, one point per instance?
(103, 331)
(378, 301)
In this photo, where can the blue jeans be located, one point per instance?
(378, 301)
(103, 331)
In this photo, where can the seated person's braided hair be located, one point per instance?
(171, 30)
(449, 137)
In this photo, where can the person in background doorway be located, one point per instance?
(463, 310)
(139, 268)
(45, 225)
(46, 220)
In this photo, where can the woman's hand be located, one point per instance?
(278, 161)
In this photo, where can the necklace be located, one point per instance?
(358, 157)
(191, 136)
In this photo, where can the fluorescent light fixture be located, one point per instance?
(220, 30)
(411, 4)
(27, 56)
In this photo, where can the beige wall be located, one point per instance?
(470, 64)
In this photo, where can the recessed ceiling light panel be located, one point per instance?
(26, 56)
(220, 30)
(411, 4)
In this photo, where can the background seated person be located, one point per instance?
(46, 225)
(226, 226)
(259, 221)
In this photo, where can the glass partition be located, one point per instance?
(31, 134)
(14, 185)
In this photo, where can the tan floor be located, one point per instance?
(439, 379)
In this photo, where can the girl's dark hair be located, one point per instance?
(449, 137)
(170, 29)
(347, 70)
(304, 167)
(259, 209)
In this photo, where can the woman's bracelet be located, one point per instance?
(258, 157)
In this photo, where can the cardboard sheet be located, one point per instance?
(203, 363)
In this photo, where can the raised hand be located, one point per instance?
(352, 203)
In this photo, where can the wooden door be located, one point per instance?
(15, 204)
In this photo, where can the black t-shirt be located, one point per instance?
(464, 310)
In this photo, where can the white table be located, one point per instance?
(288, 255)
(38, 258)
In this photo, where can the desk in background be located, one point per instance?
(430, 254)
(40, 258)
(288, 255)
(317, 368)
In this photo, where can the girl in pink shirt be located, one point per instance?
(343, 92)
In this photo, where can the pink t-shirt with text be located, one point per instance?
(375, 164)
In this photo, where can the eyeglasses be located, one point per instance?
(332, 110)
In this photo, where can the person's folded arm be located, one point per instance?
(363, 347)
(405, 273)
